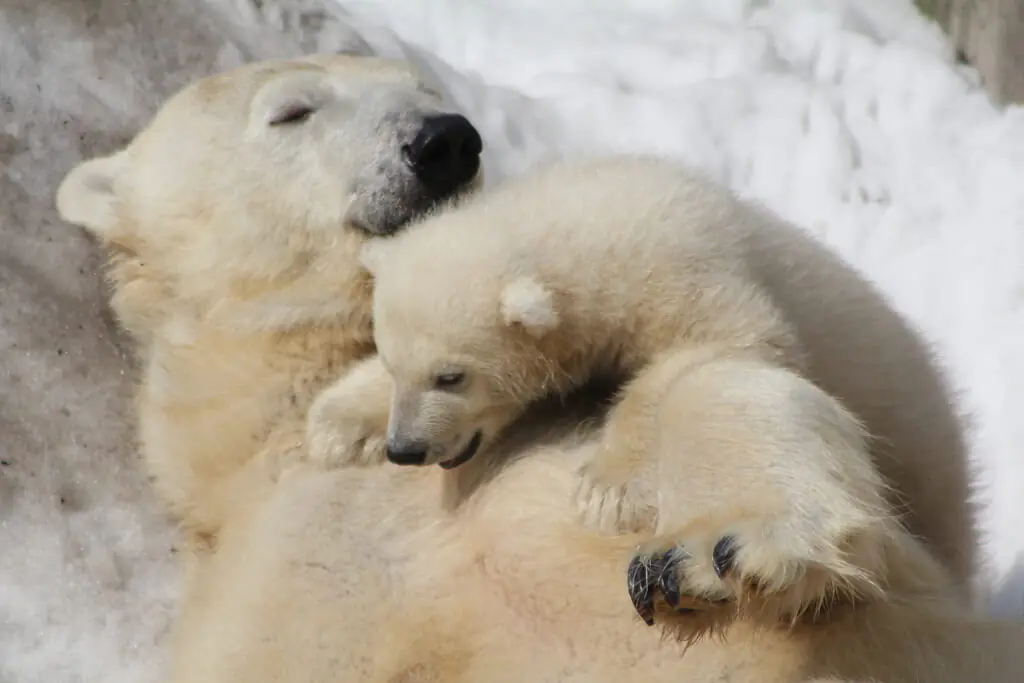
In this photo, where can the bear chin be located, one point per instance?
(467, 453)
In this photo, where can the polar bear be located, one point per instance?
(358, 574)
(739, 334)
(235, 219)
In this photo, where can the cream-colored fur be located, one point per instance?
(358, 574)
(637, 267)
(235, 219)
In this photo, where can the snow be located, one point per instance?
(850, 117)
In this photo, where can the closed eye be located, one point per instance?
(293, 114)
(449, 380)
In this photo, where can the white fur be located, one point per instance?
(87, 196)
(236, 240)
(526, 302)
(667, 263)
(777, 400)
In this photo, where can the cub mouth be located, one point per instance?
(466, 455)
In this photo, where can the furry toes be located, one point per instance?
(339, 448)
(347, 424)
(771, 579)
(611, 507)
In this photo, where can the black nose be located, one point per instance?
(407, 452)
(445, 154)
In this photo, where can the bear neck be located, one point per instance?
(214, 396)
(600, 348)
(319, 287)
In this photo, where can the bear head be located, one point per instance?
(247, 197)
(466, 335)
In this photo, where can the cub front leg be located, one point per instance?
(619, 488)
(347, 424)
(768, 502)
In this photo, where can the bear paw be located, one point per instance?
(614, 502)
(347, 423)
(344, 445)
(684, 583)
(756, 575)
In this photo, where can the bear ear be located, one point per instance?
(528, 303)
(86, 196)
(371, 254)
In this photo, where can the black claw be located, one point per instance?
(668, 581)
(640, 577)
(723, 557)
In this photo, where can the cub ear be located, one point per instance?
(528, 303)
(86, 196)
(371, 254)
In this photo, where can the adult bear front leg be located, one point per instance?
(765, 499)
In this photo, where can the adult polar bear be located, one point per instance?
(235, 219)
(244, 304)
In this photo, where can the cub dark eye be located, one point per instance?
(294, 114)
(449, 380)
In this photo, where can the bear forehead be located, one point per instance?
(431, 283)
(227, 96)
(434, 345)
(431, 297)
(208, 118)
(459, 243)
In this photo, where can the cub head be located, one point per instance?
(251, 191)
(468, 347)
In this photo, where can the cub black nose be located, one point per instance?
(445, 154)
(407, 452)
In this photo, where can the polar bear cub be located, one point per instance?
(826, 403)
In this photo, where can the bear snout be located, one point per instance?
(407, 451)
(444, 154)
